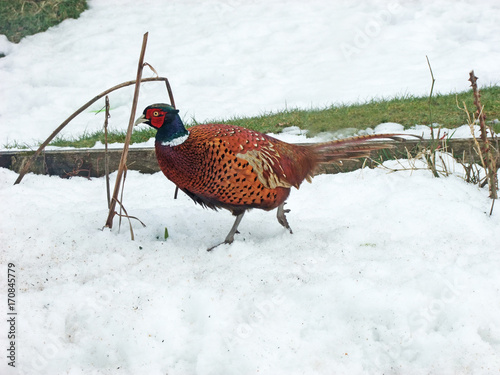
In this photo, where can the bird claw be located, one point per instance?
(286, 225)
(230, 236)
(282, 218)
(222, 243)
(228, 241)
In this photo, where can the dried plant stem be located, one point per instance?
(488, 152)
(130, 216)
(430, 94)
(476, 143)
(127, 216)
(122, 208)
(80, 110)
(123, 160)
(431, 158)
(121, 204)
(106, 156)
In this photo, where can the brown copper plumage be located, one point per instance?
(227, 166)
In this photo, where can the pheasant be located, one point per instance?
(234, 168)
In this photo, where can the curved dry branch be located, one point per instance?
(83, 108)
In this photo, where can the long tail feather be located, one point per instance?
(352, 148)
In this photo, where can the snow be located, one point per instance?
(229, 58)
(385, 273)
(393, 273)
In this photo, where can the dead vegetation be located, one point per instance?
(439, 159)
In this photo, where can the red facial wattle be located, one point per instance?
(156, 117)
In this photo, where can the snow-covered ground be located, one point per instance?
(393, 273)
(385, 273)
(242, 57)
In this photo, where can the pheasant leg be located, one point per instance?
(282, 218)
(230, 236)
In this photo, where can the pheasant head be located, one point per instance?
(166, 120)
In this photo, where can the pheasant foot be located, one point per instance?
(282, 218)
(230, 236)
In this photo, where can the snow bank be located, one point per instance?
(229, 58)
(385, 273)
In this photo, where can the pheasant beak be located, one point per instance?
(141, 120)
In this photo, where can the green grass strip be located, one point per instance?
(407, 110)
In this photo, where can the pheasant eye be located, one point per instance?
(156, 113)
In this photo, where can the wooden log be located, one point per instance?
(90, 162)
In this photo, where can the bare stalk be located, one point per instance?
(83, 108)
(106, 157)
(127, 216)
(487, 150)
(121, 204)
(430, 94)
(123, 160)
(431, 158)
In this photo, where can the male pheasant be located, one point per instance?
(227, 166)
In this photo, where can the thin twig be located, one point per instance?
(430, 94)
(431, 159)
(479, 113)
(106, 156)
(83, 108)
(121, 198)
(131, 217)
(489, 157)
(123, 160)
(151, 67)
(471, 127)
(126, 215)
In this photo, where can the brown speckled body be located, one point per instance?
(226, 166)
